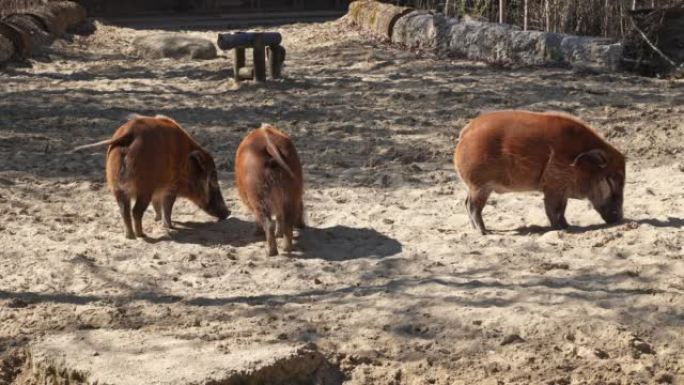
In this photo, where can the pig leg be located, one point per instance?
(287, 233)
(287, 226)
(125, 208)
(269, 228)
(470, 217)
(156, 203)
(475, 203)
(280, 226)
(141, 203)
(167, 208)
(555, 209)
(299, 223)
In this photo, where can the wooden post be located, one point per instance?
(238, 62)
(276, 57)
(259, 58)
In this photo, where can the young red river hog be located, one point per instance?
(268, 177)
(154, 159)
(555, 153)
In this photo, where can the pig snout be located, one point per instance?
(611, 214)
(217, 206)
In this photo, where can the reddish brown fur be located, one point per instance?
(268, 177)
(154, 159)
(550, 152)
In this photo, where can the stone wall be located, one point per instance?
(494, 43)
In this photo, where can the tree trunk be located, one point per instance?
(526, 16)
(547, 15)
(607, 18)
(502, 11)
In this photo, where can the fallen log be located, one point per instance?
(30, 29)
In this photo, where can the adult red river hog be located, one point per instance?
(555, 153)
(154, 159)
(268, 177)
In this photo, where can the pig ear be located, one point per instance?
(196, 159)
(597, 157)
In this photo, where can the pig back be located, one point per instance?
(156, 158)
(513, 150)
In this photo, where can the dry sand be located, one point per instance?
(390, 282)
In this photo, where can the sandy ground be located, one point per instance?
(390, 282)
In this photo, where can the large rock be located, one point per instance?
(120, 357)
(484, 41)
(591, 52)
(535, 48)
(506, 45)
(419, 29)
(173, 45)
(480, 41)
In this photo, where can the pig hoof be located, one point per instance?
(130, 236)
(272, 253)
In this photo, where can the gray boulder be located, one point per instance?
(591, 52)
(173, 45)
(506, 45)
(419, 29)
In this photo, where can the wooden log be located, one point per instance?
(246, 39)
(259, 59)
(276, 58)
(238, 62)
(32, 27)
(385, 17)
(19, 38)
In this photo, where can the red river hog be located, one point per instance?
(555, 153)
(153, 159)
(268, 177)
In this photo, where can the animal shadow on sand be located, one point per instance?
(341, 243)
(673, 222)
(337, 243)
(232, 231)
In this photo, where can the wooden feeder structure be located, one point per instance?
(263, 44)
